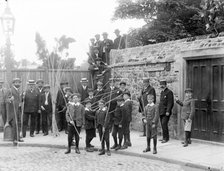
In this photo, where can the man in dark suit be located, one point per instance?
(107, 45)
(83, 89)
(165, 109)
(99, 44)
(119, 42)
(46, 108)
(40, 91)
(99, 92)
(13, 109)
(3, 96)
(146, 90)
(31, 106)
(61, 106)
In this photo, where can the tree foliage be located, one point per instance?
(170, 19)
(53, 60)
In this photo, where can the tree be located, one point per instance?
(165, 19)
(53, 60)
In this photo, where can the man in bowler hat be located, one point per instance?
(165, 109)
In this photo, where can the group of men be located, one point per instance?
(99, 51)
(18, 107)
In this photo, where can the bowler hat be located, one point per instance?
(16, 80)
(64, 83)
(116, 31)
(122, 82)
(84, 80)
(31, 82)
(188, 90)
(162, 82)
(97, 35)
(46, 86)
(39, 81)
(76, 94)
(145, 80)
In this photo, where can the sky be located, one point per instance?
(80, 19)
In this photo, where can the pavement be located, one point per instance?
(199, 154)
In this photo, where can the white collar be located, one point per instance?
(151, 104)
(103, 109)
(77, 104)
(15, 88)
(87, 109)
(72, 103)
(122, 105)
(127, 100)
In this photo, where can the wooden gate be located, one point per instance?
(206, 77)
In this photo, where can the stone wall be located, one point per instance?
(157, 61)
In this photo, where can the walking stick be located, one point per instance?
(73, 124)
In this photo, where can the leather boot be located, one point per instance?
(148, 146)
(68, 150)
(186, 139)
(77, 150)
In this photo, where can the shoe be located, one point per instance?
(77, 151)
(88, 149)
(102, 152)
(45, 134)
(164, 141)
(154, 151)
(68, 151)
(189, 141)
(182, 142)
(129, 144)
(31, 135)
(118, 147)
(21, 140)
(124, 147)
(185, 144)
(114, 146)
(108, 153)
(15, 143)
(146, 150)
(37, 132)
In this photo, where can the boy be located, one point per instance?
(75, 118)
(117, 119)
(46, 108)
(102, 123)
(127, 117)
(187, 114)
(89, 125)
(92, 98)
(151, 120)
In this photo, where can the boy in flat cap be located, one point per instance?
(92, 98)
(99, 92)
(89, 125)
(46, 108)
(165, 109)
(75, 116)
(117, 123)
(103, 126)
(122, 87)
(127, 117)
(146, 90)
(187, 114)
(151, 118)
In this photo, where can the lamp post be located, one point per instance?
(8, 23)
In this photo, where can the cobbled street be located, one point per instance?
(54, 159)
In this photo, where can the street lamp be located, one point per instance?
(8, 24)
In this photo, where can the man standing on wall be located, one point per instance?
(119, 42)
(146, 90)
(3, 102)
(165, 109)
(83, 89)
(107, 45)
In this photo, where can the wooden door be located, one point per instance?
(206, 78)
